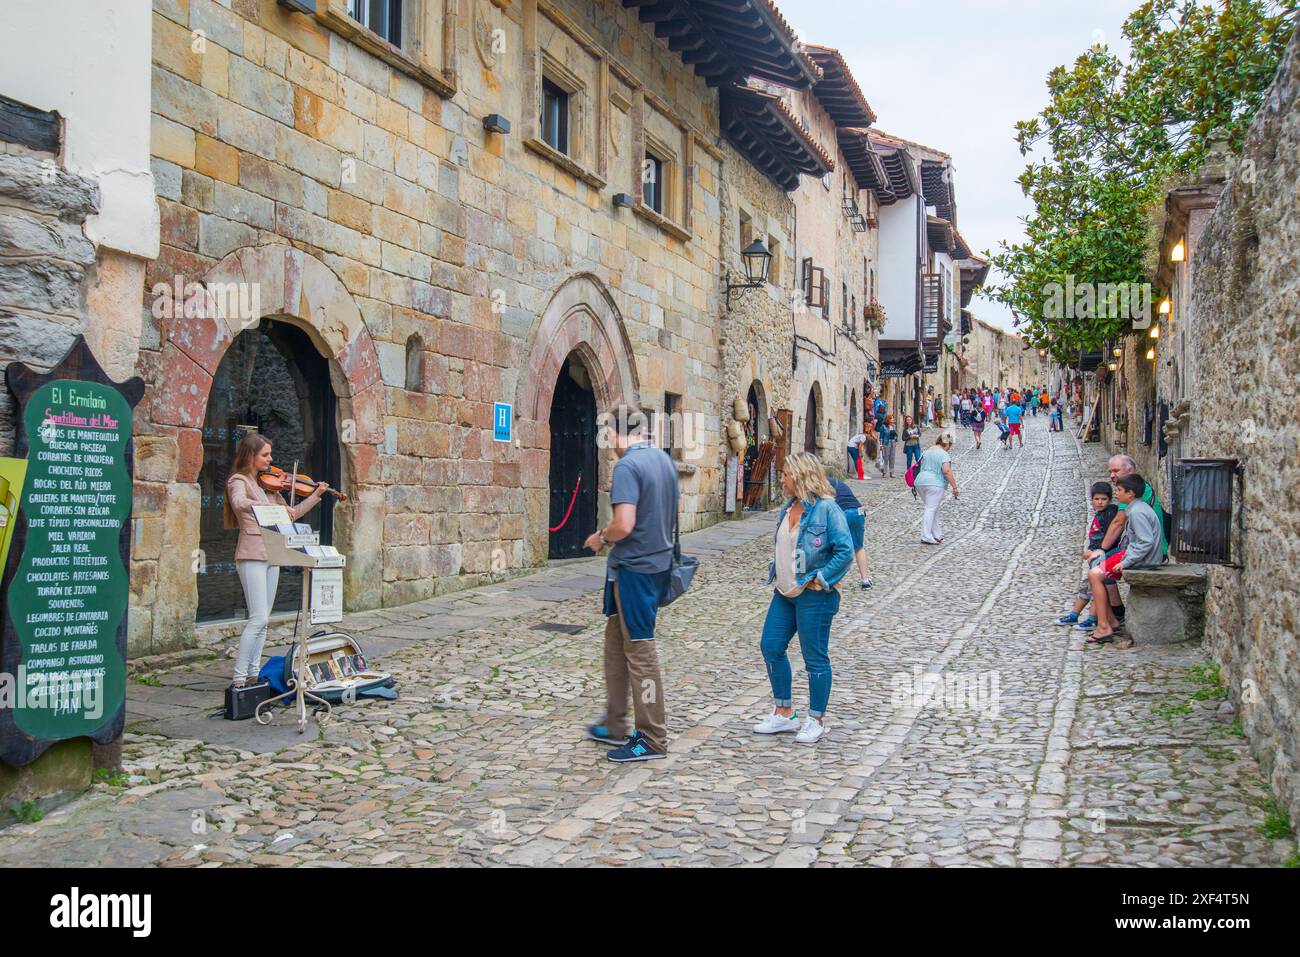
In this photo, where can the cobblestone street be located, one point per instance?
(1066, 756)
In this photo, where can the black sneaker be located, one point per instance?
(602, 734)
(636, 749)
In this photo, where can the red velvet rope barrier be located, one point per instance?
(572, 502)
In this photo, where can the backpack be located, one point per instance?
(910, 475)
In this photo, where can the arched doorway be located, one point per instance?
(274, 381)
(582, 321)
(757, 463)
(812, 425)
(574, 472)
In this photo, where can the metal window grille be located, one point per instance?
(1203, 510)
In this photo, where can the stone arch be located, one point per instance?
(580, 317)
(281, 282)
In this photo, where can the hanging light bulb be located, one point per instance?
(1155, 332)
(1114, 366)
(1118, 352)
(1166, 306)
(1151, 353)
(1179, 253)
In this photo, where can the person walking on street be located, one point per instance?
(888, 448)
(932, 478)
(1014, 415)
(812, 552)
(856, 517)
(977, 423)
(644, 497)
(911, 442)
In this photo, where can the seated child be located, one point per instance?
(1104, 511)
(1141, 546)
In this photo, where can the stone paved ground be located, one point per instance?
(1035, 751)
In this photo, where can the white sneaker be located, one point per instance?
(776, 724)
(811, 732)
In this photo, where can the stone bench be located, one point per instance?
(1166, 605)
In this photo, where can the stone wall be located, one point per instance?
(757, 335)
(45, 264)
(998, 359)
(369, 201)
(1247, 298)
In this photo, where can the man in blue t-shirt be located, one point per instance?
(644, 496)
(1014, 414)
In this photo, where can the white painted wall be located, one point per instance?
(90, 63)
(897, 277)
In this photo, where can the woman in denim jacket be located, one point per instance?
(813, 552)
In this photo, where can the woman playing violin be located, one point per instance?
(253, 455)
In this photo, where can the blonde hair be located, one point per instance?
(808, 477)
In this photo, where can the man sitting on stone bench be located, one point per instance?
(1142, 546)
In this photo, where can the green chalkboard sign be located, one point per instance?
(66, 584)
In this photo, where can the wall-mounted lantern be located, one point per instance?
(496, 123)
(1179, 253)
(758, 265)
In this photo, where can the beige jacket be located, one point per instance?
(243, 493)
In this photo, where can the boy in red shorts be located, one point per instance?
(1140, 547)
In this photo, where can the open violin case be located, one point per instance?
(337, 669)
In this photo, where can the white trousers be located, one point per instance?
(259, 580)
(932, 498)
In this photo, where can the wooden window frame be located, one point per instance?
(815, 285)
(562, 132)
(676, 220)
(539, 65)
(412, 58)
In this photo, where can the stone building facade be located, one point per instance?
(997, 359)
(348, 189)
(1222, 384)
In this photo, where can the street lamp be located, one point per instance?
(758, 265)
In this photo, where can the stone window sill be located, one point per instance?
(565, 162)
(443, 83)
(663, 222)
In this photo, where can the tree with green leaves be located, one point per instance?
(1116, 132)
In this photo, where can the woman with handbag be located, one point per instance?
(812, 552)
(259, 579)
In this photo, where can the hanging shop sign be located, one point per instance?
(64, 591)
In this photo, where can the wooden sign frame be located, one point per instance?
(17, 748)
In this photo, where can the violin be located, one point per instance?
(278, 480)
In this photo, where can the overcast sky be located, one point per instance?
(956, 75)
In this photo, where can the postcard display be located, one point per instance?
(330, 664)
(65, 584)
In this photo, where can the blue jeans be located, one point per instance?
(857, 523)
(810, 615)
(912, 452)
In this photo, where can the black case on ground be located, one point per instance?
(242, 702)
